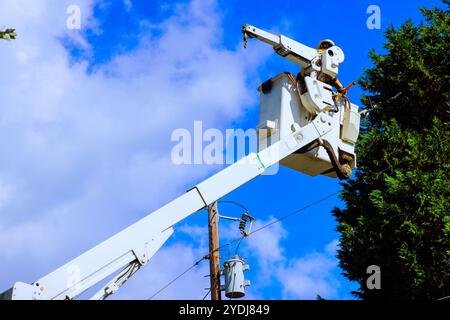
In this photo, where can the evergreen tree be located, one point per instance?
(397, 213)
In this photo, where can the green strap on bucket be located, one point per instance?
(259, 159)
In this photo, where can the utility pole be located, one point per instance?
(214, 258)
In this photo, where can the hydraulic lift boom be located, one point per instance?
(302, 126)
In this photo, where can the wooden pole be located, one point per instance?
(214, 258)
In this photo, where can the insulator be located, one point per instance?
(243, 222)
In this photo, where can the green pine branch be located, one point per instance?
(8, 34)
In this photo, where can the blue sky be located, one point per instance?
(88, 120)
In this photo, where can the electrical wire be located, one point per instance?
(209, 290)
(296, 211)
(311, 204)
(239, 243)
(233, 202)
(286, 216)
(280, 219)
(240, 238)
(178, 277)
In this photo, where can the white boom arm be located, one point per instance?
(120, 256)
(290, 49)
(311, 60)
(135, 245)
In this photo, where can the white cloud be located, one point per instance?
(128, 4)
(309, 276)
(169, 263)
(85, 153)
(266, 246)
(332, 247)
(301, 277)
(198, 234)
(6, 193)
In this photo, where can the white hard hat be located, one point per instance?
(329, 42)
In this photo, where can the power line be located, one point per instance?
(316, 202)
(209, 290)
(240, 238)
(296, 211)
(178, 277)
(233, 202)
(286, 216)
